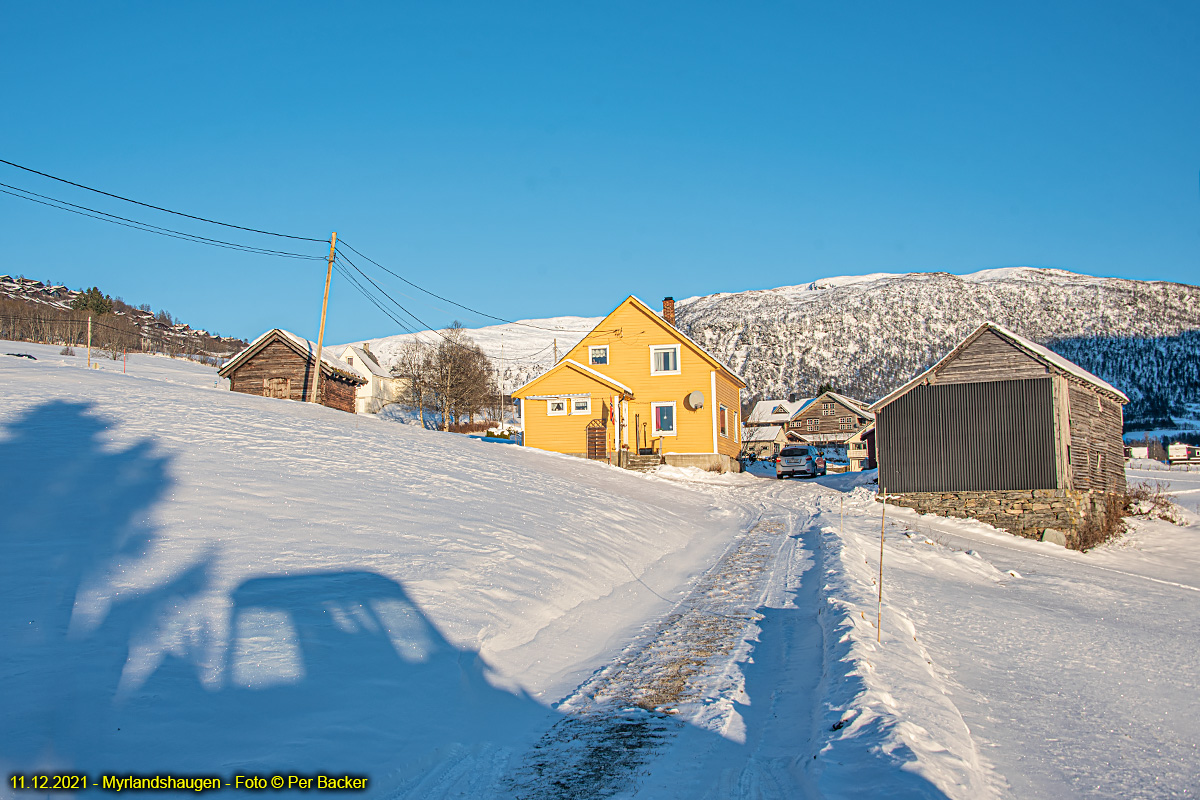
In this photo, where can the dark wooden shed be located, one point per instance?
(280, 364)
(1004, 430)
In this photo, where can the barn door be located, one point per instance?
(277, 387)
(597, 440)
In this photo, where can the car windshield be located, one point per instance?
(794, 452)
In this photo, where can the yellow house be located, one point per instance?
(636, 386)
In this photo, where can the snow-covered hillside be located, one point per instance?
(521, 350)
(196, 582)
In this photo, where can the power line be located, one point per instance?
(452, 302)
(103, 216)
(159, 208)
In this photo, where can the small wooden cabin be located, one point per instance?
(280, 364)
(1004, 430)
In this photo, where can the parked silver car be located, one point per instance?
(800, 460)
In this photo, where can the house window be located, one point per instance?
(812, 424)
(598, 355)
(581, 405)
(556, 406)
(845, 426)
(664, 359)
(662, 416)
(827, 410)
(723, 415)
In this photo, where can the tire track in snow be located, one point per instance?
(618, 721)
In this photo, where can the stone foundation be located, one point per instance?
(1025, 513)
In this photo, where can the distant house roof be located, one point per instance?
(768, 412)
(1046, 356)
(330, 364)
(366, 357)
(764, 433)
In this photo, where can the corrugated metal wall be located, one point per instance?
(968, 437)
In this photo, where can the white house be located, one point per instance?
(380, 388)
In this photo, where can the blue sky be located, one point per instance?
(537, 159)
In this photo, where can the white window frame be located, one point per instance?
(654, 431)
(566, 409)
(678, 359)
(575, 411)
(603, 347)
(723, 416)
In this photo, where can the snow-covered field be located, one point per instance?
(198, 582)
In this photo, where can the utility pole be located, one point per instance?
(555, 349)
(324, 306)
(89, 341)
(882, 527)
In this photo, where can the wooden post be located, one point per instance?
(89, 341)
(321, 331)
(879, 608)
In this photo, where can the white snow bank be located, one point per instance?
(889, 719)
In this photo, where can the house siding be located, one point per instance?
(565, 433)
(1097, 450)
(969, 437)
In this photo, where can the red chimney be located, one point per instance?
(669, 310)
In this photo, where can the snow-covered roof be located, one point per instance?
(366, 357)
(764, 433)
(1043, 354)
(301, 345)
(772, 411)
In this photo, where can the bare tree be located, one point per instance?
(414, 369)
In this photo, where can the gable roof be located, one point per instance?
(366, 357)
(330, 364)
(849, 402)
(773, 411)
(568, 363)
(1049, 358)
(671, 330)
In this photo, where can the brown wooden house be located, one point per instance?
(1005, 431)
(829, 419)
(280, 364)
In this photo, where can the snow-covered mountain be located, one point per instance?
(867, 334)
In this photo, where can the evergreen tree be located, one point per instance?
(93, 301)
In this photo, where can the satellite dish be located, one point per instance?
(694, 400)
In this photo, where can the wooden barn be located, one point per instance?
(1005, 431)
(280, 364)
